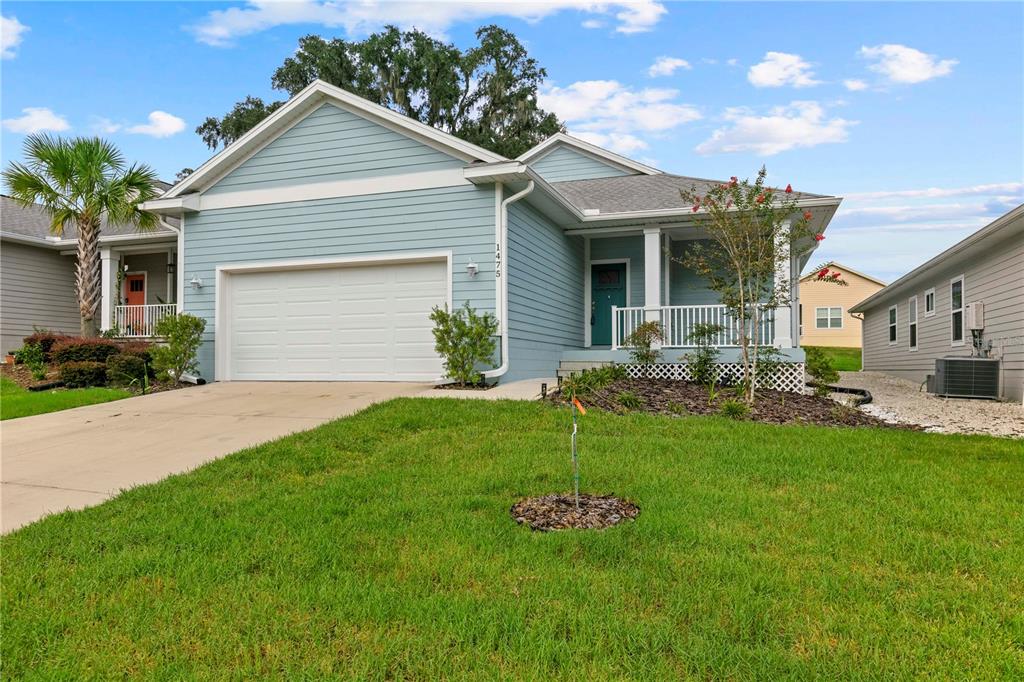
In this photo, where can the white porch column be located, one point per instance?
(587, 293)
(784, 314)
(652, 274)
(109, 261)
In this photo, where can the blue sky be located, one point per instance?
(913, 112)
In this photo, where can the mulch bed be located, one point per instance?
(663, 396)
(465, 387)
(21, 375)
(558, 512)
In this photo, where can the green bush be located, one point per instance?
(734, 409)
(76, 349)
(83, 373)
(45, 340)
(588, 381)
(640, 342)
(465, 340)
(33, 357)
(142, 350)
(183, 334)
(629, 400)
(124, 369)
(819, 367)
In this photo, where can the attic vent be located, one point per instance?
(967, 377)
(591, 211)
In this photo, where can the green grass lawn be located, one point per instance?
(15, 401)
(380, 547)
(843, 359)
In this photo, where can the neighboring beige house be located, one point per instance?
(825, 318)
(930, 312)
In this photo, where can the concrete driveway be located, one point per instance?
(81, 457)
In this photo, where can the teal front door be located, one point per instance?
(607, 289)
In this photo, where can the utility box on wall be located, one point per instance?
(976, 315)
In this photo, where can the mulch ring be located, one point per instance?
(558, 512)
(675, 398)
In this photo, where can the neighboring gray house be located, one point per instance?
(37, 275)
(924, 315)
(316, 245)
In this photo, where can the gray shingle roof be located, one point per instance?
(33, 221)
(638, 192)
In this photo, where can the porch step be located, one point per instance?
(567, 367)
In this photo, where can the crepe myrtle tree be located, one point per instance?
(751, 230)
(82, 183)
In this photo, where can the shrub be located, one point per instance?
(33, 357)
(124, 369)
(83, 373)
(629, 400)
(769, 364)
(820, 369)
(677, 408)
(734, 409)
(142, 350)
(46, 341)
(464, 339)
(702, 361)
(76, 349)
(640, 341)
(588, 381)
(183, 334)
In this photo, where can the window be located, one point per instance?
(929, 302)
(912, 321)
(956, 310)
(892, 325)
(800, 316)
(828, 318)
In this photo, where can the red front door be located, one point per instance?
(134, 294)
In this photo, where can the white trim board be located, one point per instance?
(589, 293)
(222, 292)
(541, 150)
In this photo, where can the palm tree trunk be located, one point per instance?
(88, 277)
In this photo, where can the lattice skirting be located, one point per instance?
(789, 377)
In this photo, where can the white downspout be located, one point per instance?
(179, 289)
(503, 245)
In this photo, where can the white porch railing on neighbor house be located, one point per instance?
(678, 321)
(138, 321)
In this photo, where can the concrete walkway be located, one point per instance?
(81, 457)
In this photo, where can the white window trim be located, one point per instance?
(589, 293)
(913, 321)
(828, 317)
(893, 324)
(927, 293)
(962, 310)
(221, 294)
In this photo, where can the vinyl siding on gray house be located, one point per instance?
(568, 164)
(460, 219)
(545, 293)
(333, 144)
(37, 288)
(994, 278)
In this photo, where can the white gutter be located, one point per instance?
(179, 271)
(503, 246)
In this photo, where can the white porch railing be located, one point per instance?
(678, 321)
(138, 321)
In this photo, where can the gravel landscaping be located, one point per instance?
(559, 512)
(899, 401)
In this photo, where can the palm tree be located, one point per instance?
(81, 182)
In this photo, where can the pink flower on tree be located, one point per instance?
(789, 189)
(807, 215)
(819, 237)
(733, 180)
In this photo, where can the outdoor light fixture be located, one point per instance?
(472, 269)
(196, 282)
(170, 267)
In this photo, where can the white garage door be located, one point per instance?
(353, 323)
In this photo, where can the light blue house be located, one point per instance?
(316, 245)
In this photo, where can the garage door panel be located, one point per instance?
(360, 322)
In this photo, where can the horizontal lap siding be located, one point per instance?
(460, 219)
(995, 279)
(686, 287)
(567, 164)
(37, 288)
(545, 291)
(615, 248)
(333, 144)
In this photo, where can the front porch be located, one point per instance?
(139, 289)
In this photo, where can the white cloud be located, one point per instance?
(902, 64)
(36, 120)
(104, 126)
(781, 68)
(799, 124)
(666, 66)
(11, 31)
(855, 84)
(223, 26)
(161, 124)
(615, 113)
(593, 23)
(997, 188)
(732, 62)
